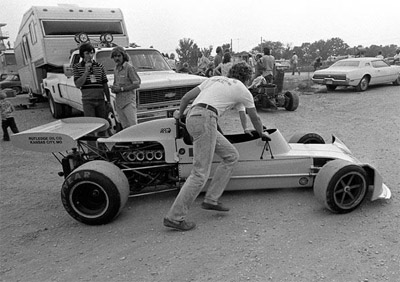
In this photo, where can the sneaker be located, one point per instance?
(217, 207)
(179, 225)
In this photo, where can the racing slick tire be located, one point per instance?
(291, 101)
(330, 87)
(307, 138)
(56, 109)
(341, 186)
(363, 85)
(95, 193)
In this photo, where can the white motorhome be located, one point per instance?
(8, 64)
(46, 36)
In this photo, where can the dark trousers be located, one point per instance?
(8, 123)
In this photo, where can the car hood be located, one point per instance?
(164, 79)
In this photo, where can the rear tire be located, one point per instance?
(307, 138)
(291, 101)
(331, 87)
(397, 81)
(363, 85)
(95, 193)
(341, 186)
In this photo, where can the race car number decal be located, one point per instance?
(165, 130)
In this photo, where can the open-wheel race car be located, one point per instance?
(157, 156)
(268, 96)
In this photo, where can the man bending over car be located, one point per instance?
(211, 99)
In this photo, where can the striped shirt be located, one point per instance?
(88, 88)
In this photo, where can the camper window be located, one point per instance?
(32, 32)
(73, 27)
(25, 49)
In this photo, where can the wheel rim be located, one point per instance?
(364, 84)
(350, 190)
(89, 199)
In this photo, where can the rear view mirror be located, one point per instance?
(68, 70)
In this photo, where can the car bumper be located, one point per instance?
(337, 82)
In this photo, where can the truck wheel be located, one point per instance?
(363, 85)
(56, 109)
(341, 186)
(95, 192)
(291, 101)
(307, 138)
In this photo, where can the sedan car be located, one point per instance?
(357, 72)
(157, 156)
(13, 82)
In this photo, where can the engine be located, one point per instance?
(138, 154)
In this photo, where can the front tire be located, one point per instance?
(341, 186)
(95, 193)
(291, 101)
(307, 138)
(56, 109)
(363, 85)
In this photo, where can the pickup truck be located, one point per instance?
(158, 96)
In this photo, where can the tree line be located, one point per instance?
(188, 50)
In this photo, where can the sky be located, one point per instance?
(162, 23)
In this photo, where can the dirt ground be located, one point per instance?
(269, 235)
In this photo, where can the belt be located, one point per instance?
(206, 106)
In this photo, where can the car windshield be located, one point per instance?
(11, 77)
(353, 64)
(142, 60)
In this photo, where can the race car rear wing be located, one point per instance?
(58, 136)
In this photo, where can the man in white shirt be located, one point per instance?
(202, 63)
(268, 62)
(211, 99)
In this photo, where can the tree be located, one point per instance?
(336, 46)
(226, 46)
(207, 51)
(188, 51)
(277, 48)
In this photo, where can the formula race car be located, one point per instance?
(157, 156)
(266, 96)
